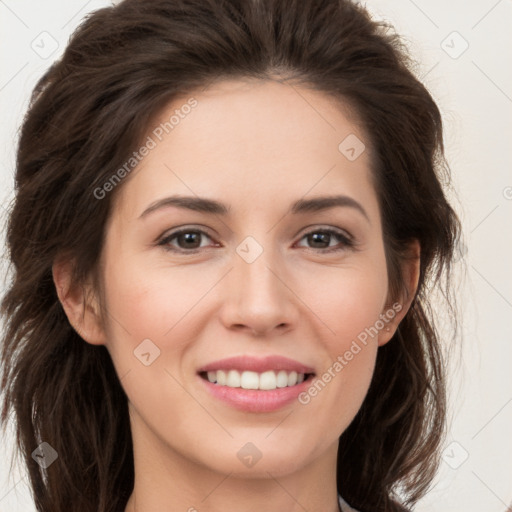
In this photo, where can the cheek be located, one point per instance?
(151, 319)
(347, 300)
(150, 304)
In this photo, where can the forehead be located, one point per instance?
(251, 139)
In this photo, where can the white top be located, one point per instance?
(345, 507)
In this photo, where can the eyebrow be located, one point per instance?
(211, 206)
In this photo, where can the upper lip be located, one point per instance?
(257, 364)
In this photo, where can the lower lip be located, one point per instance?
(254, 400)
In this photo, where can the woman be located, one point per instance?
(288, 359)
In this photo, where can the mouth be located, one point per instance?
(256, 384)
(264, 381)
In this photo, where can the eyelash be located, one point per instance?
(346, 241)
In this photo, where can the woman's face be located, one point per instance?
(256, 278)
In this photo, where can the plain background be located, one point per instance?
(462, 49)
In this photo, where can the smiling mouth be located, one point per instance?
(265, 381)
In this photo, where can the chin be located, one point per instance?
(257, 460)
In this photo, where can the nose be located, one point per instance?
(258, 298)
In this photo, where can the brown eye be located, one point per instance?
(186, 240)
(321, 239)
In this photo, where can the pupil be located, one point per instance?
(189, 237)
(317, 237)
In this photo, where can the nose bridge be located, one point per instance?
(253, 268)
(259, 300)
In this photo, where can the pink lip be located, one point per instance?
(254, 400)
(256, 364)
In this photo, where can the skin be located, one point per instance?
(256, 146)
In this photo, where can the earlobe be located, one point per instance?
(83, 313)
(398, 309)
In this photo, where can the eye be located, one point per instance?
(320, 237)
(186, 239)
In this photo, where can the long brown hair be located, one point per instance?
(87, 115)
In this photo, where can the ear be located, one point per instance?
(79, 303)
(397, 308)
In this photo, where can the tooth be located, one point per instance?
(221, 378)
(292, 378)
(233, 379)
(282, 379)
(249, 380)
(268, 380)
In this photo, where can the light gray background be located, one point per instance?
(473, 88)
